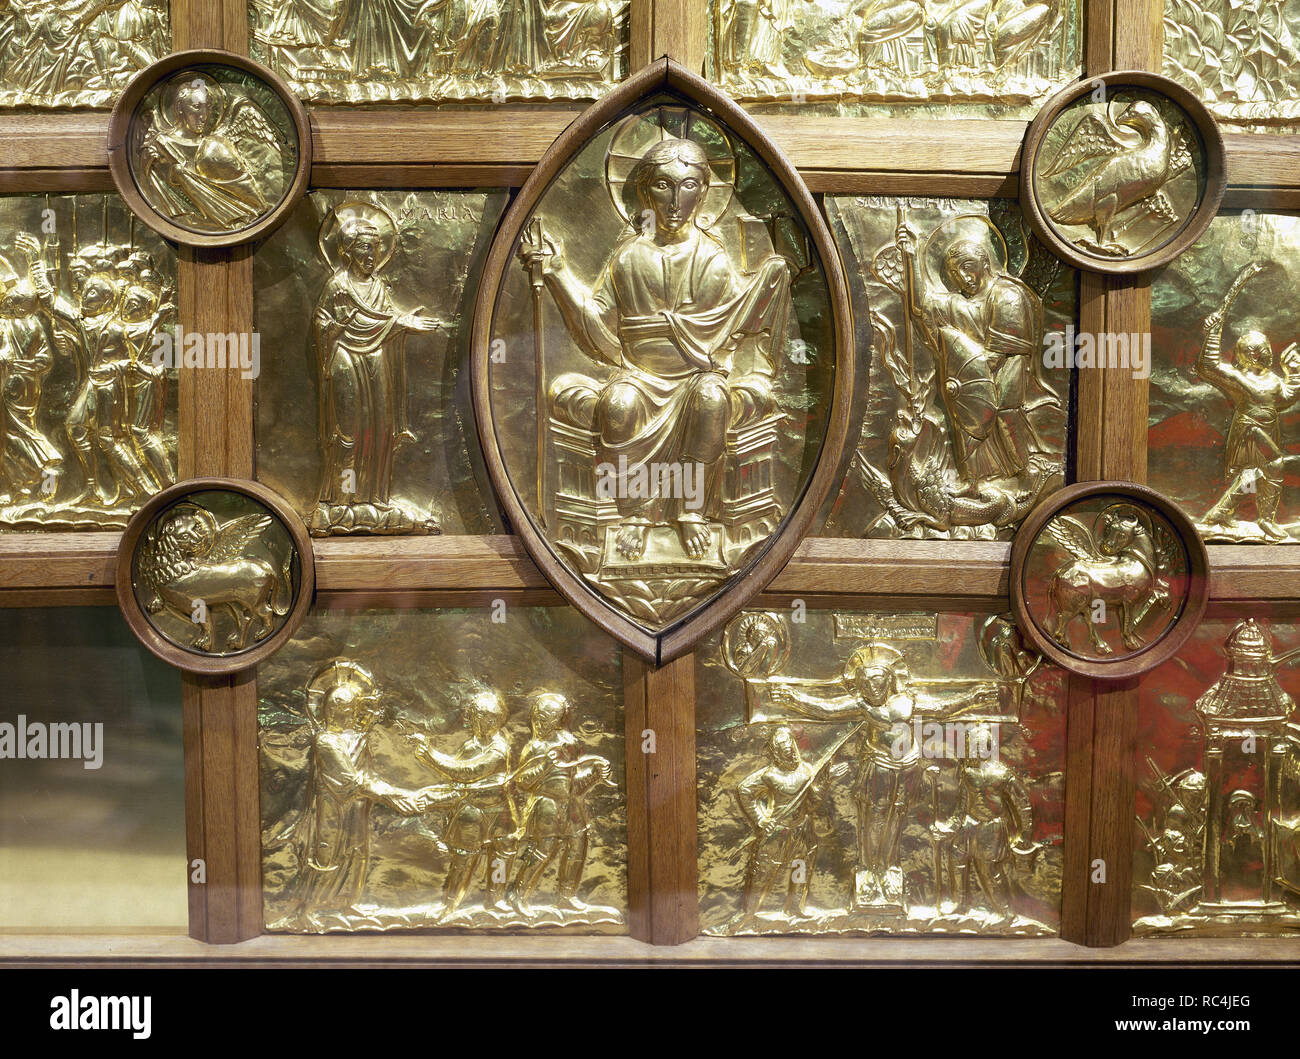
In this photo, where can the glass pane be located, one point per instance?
(92, 815)
(444, 769)
(878, 773)
(362, 304)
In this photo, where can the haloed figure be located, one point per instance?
(555, 779)
(668, 315)
(360, 337)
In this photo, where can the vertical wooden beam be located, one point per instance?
(676, 28)
(663, 873)
(1076, 878)
(215, 426)
(1139, 35)
(1110, 443)
(1110, 832)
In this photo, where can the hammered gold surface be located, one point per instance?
(358, 51)
(87, 362)
(1222, 421)
(74, 53)
(955, 58)
(964, 419)
(1105, 578)
(1239, 58)
(878, 773)
(667, 310)
(212, 148)
(216, 572)
(1218, 765)
(363, 415)
(1119, 177)
(444, 769)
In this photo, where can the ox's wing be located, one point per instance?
(1074, 537)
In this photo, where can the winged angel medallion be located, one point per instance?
(1120, 573)
(208, 156)
(1119, 180)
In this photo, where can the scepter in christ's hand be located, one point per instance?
(535, 249)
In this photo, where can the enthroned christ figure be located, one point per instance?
(690, 344)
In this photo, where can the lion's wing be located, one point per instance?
(236, 535)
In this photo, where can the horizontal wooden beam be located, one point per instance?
(536, 950)
(823, 571)
(479, 147)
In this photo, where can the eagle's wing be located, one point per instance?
(1073, 536)
(1092, 139)
(233, 538)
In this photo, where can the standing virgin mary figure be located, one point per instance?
(360, 339)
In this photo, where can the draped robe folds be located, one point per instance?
(362, 386)
(205, 180)
(25, 452)
(670, 319)
(989, 347)
(380, 36)
(334, 846)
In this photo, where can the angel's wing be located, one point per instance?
(246, 120)
(1092, 139)
(1073, 536)
(234, 537)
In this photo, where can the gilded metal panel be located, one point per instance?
(451, 768)
(1227, 380)
(1218, 804)
(1240, 58)
(987, 58)
(357, 51)
(87, 371)
(964, 423)
(77, 53)
(884, 773)
(670, 311)
(363, 415)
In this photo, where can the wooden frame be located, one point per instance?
(1170, 640)
(667, 77)
(1216, 173)
(491, 146)
(147, 632)
(119, 128)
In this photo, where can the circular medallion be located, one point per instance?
(1121, 173)
(209, 148)
(1108, 579)
(215, 574)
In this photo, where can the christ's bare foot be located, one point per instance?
(631, 538)
(695, 535)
